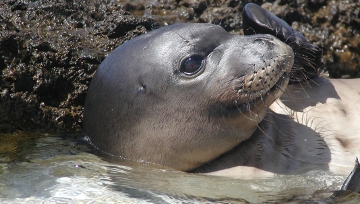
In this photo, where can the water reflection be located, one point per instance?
(60, 169)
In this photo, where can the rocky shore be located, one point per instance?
(50, 49)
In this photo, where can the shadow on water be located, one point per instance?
(38, 167)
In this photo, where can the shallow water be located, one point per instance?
(45, 168)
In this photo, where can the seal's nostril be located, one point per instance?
(263, 37)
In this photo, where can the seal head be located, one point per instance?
(184, 94)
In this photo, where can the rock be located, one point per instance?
(49, 51)
(332, 25)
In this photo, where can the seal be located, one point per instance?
(185, 94)
(195, 98)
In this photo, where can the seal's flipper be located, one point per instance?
(308, 57)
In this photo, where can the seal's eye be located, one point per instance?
(192, 65)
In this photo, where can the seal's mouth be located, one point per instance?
(254, 102)
(257, 90)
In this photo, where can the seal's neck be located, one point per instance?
(284, 146)
(279, 145)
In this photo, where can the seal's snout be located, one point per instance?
(276, 49)
(258, 70)
(262, 61)
(308, 57)
(274, 62)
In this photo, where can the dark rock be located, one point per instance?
(49, 51)
(352, 182)
(332, 25)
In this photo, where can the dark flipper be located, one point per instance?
(308, 57)
(352, 182)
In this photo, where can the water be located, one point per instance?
(45, 168)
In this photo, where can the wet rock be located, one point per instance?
(49, 51)
(331, 25)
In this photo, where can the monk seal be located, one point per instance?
(195, 98)
(184, 94)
